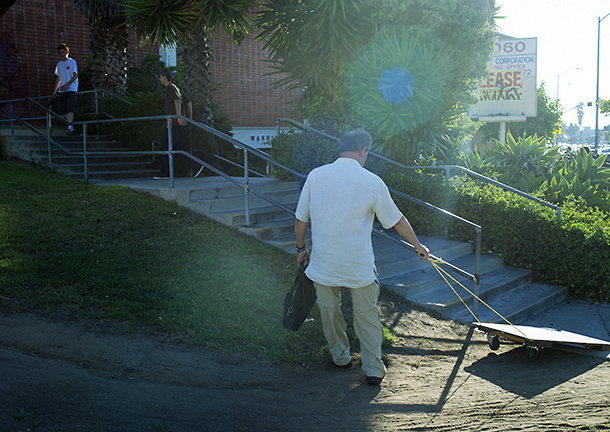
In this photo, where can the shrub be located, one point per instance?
(574, 253)
(305, 151)
(582, 176)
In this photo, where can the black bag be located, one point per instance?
(299, 301)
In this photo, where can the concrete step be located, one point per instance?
(238, 203)
(516, 305)
(280, 228)
(109, 175)
(445, 301)
(393, 260)
(231, 190)
(420, 281)
(259, 216)
(35, 149)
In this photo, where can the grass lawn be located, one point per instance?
(110, 253)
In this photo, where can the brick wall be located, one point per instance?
(31, 29)
(246, 93)
(29, 34)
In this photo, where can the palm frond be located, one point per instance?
(166, 21)
(99, 8)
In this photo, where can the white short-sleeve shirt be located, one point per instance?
(65, 70)
(341, 200)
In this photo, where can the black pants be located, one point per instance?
(179, 135)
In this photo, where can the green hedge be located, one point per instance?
(575, 253)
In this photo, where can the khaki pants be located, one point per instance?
(366, 323)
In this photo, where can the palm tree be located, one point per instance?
(187, 23)
(109, 43)
(329, 48)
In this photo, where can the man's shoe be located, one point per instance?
(72, 132)
(198, 172)
(345, 366)
(373, 380)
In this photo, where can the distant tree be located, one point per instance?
(580, 113)
(572, 132)
(604, 106)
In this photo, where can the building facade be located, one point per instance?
(31, 29)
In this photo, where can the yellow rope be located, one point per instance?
(442, 272)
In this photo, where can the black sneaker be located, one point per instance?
(72, 132)
(373, 380)
(345, 366)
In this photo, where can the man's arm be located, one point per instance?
(181, 122)
(300, 230)
(56, 86)
(403, 227)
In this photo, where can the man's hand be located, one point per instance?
(303, 256)
(423, 252)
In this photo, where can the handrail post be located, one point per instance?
(447, 177)
(246, 187)
(49, 129)
(12, 118)
(85, 165)
(170, 149)
(97, 109)
(477, 268)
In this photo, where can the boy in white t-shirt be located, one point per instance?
(67, 85)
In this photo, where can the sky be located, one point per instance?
(566, 32)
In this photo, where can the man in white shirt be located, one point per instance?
(341, 200)
(67, 85)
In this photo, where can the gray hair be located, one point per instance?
(355, 141)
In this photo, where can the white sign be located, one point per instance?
(509, 89)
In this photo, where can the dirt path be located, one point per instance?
(67, 375)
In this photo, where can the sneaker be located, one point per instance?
(373, 380)
(199, 172)
(345, 366)
(72, 132)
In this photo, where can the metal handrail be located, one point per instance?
(170, 152)
(35, 130)
(34, 100)
(447, 168)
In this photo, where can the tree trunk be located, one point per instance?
(196, 56)
(109, 43)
